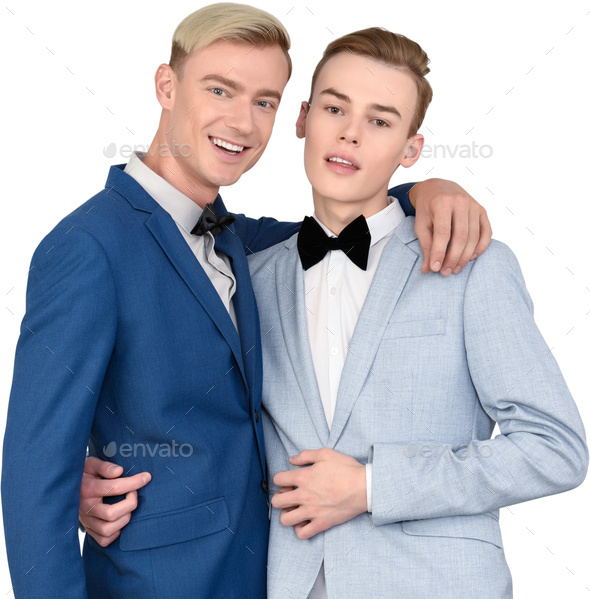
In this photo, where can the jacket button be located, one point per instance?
(264, 486)
(256, 416)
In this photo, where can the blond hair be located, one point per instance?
(391, 49)
(227, 21)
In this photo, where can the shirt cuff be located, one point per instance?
(369, 473)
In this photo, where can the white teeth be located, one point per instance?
(226, 145)
(336, 159)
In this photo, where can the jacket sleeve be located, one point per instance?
(259, 234)
(402, 193)
(67, 336)
(541, 449)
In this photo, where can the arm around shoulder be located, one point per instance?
(259, 234)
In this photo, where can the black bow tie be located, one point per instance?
(210, 222)
(354, 240)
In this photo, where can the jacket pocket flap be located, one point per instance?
(176, 526)
(415, 328)
(483, 527)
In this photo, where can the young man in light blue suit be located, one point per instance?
(381, 385)
(141, 333)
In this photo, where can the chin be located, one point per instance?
(340, 195)
(225, 179)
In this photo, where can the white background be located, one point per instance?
(78, 76)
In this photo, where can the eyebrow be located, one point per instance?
(378, 107)
(381, 108)
(231, 83)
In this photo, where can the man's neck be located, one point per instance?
(159, 159)
(337, 215)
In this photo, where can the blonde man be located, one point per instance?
(141, 333)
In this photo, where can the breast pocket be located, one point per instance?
(415, 328)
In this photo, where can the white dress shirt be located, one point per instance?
(335, 291)
(185, 214)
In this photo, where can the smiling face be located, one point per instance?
(356, 134)
(218, 116)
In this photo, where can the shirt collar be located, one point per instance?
(179, 206)
(381, 224)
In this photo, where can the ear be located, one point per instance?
(412, 150)
(300, 124)
(165, 80)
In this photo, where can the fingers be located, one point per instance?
(290, 478)
(285, 499)
(95, 467)
(99, 488)
(441, 233)
(306, 530)
(292, 517)
(104, 522)
(471, 235)
(459, 239)
(451, 227)
(100, 539)
(485, 233)
(110, 512)
(105, 529)
(423, 231)
(472, 241)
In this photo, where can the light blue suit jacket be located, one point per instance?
(433, 363)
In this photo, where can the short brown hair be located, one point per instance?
(392, 49)
(230, 22)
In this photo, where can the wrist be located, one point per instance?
(412, 194)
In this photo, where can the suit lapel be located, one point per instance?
(180, 255)
(244, 301)
(291, 301)
(395, 266)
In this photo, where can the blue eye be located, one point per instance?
(217, 91)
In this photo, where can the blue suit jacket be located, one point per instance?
(432, 363)
(126, 342)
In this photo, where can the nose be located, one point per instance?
(350, 132)
(240, 117)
